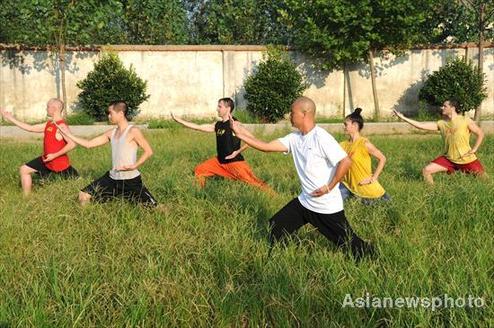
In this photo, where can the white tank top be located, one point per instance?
(123, 153)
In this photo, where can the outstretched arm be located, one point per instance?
(68, 147)
(95, 142)
(429, 126)
(190, 125)
(374, 151)
(141, 141)
(248, 138)
(39, 128)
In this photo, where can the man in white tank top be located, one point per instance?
(124, 179)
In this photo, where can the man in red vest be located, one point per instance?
(54, 160)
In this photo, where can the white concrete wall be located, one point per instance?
(189, 81)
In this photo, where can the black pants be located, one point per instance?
(334, 227)
(133, 190)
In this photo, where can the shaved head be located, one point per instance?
(306, 105)
(57, 102)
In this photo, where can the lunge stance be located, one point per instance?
(320, 163)
(124, 179)
(54, 161)
(229, 162)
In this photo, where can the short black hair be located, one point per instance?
(228, 103)
(119, 106)
(456, 104)
(356, 117)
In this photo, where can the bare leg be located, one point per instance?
(26, 179)
(430, 169)
(84, 198)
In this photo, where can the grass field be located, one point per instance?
(203, 262)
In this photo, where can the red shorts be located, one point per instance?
(472, 167)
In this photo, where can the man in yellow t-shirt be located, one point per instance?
(455, 130)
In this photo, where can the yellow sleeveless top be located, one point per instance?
(456, 137)
(360, 169)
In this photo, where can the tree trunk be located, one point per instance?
(344, 91)
(374, 89)
(61, 58)
(478, 110)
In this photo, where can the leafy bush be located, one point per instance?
(245, 116)
(79, 118)
(426, 112)
(456, 80)
(272, 88)
(110, 81)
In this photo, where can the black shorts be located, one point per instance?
(133, 190)
(44, 172)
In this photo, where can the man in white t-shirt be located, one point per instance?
(321, 163)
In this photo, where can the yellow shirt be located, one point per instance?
(456, 137)
(360, 169)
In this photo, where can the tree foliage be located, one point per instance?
(456, 80)
(236, 22)
(110, 81)
(41, 22)
(325, 23)
(154, 22)
(458, 21)
(274, 85)
(343, 31)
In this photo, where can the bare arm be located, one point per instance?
(68, 147)
(247, 133)
(475, 129)
(38, 128)
(428, 126)
(244, 146)
(341, 170)
(248, 138)
(95, 142)
(190, 125)
(142, 142)
(374, 151)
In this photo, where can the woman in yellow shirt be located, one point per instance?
(359, 180)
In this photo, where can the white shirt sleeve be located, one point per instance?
(331, 149)
(286, 141)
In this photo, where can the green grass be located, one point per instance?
(202, 261)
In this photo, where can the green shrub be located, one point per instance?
(272, 88)
(456, 80)
(79, 118)
(426, 112)
(110, 81)
(245, 116)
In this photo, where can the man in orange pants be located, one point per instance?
(229, 162)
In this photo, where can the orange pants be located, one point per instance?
(235, 170)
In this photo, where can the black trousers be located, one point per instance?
(106, 188)
(334, 227)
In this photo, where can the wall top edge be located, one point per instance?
(126, 47)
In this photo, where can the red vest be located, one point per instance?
(52, 145)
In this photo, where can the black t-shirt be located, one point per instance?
(226, 142)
